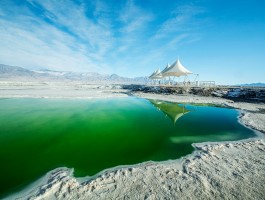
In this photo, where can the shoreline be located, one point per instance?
(192, 176)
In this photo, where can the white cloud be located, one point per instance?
(24, 48)
(134, 18)
(72, 17)
(182, 20)
(27, 40)
(88, 36)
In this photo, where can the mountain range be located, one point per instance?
(14, 73)
(254, 84)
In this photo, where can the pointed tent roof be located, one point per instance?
(166, 68)
(156, 75)
(176, 69)
(152, 75)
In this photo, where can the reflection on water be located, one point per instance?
(172, 110)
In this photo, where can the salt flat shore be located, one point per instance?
(221, 170)
(59, 90)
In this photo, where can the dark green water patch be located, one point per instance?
(38, 135)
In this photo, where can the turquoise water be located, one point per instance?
(38, 135)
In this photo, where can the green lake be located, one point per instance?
(90, 135)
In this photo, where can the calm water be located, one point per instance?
(38, 135)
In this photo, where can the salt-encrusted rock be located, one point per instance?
(242, 93)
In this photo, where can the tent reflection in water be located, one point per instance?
(171, 110)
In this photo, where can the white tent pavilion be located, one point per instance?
(164, 70)
(176, 69)
(152, 76)
(156, 75)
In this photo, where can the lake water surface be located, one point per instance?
(38, 135)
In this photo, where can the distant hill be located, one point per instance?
(13, 73)
(254, 84)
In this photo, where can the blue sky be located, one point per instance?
(222, 40)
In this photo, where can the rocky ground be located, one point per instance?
(250, 94)
(225, 170)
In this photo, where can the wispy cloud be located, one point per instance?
(134, 18)
(90, 36)
(133, 29)
(72, 17)
(184, 19)
(75, 43)
(22, 47)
